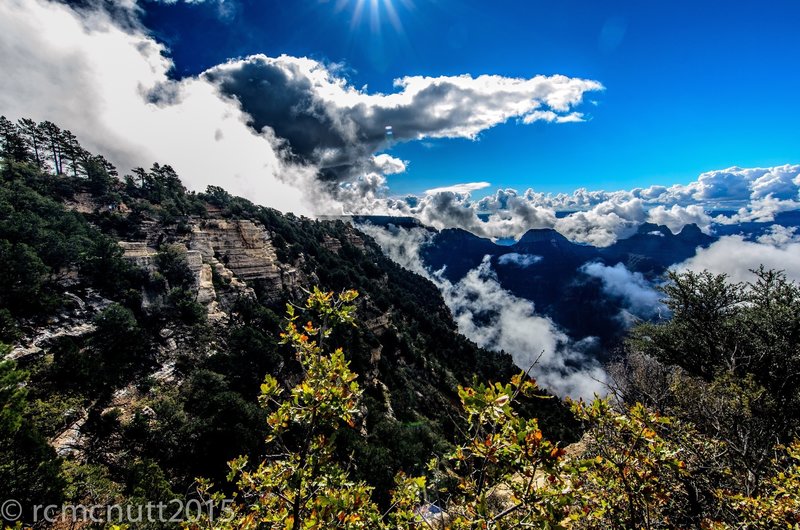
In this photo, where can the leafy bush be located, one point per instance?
(29, 469)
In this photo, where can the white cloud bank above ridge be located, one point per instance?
(496, 319)
(599, 217)
(778, 249)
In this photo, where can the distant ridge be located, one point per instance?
(543, 235)
(554, 280)
(378, 220)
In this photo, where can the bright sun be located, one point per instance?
(376, 11)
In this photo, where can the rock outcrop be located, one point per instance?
(235, 253)
(351, 237)
(241, 245)
(74, 321)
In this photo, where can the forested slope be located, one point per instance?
(144, 318)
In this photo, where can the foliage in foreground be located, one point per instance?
(635, 468)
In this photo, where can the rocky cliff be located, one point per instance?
(237, 253)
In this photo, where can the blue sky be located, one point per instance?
(690, 86)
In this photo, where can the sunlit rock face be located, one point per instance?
(227, 258)
(241, 246)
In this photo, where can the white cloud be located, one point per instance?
(466, 187)
(600, 218)
(676, 217)
(781, 182)
(736, 257)
(780, 236)
(638, 294)
(388, 165)
(331, 123)
(550, 116)
(604, 224)
(722, 187)
(84, 72)
(759, 210)
(520, 260)
(496, 319)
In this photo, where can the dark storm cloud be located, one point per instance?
(286, 103)
(326, 121)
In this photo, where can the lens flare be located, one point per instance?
(376, 11)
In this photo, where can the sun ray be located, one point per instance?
(377, 11)
(375, 16)
(394, 19)
(357, 12)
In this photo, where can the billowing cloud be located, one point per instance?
(731, 187)
(600, 218)
(636, 292)
(780, 182)
(759, 210)
(676, 217)
(520, 260)
(84, 71)
(738, 183)
(736, 257)
(330, 123)
(466, 187)
(604, 224)
(780, 236)
(496, 319)
(388, 165)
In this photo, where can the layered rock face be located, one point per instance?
(138, 253)
(241, 246)
(334, 245)
(238, 252)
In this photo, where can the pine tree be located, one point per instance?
(33, 138)
(52, 136)
(13, 144)
(72, 152)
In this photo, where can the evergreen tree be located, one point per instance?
(12, 143)
(72, 153)
(52, 137)
(33, 139)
